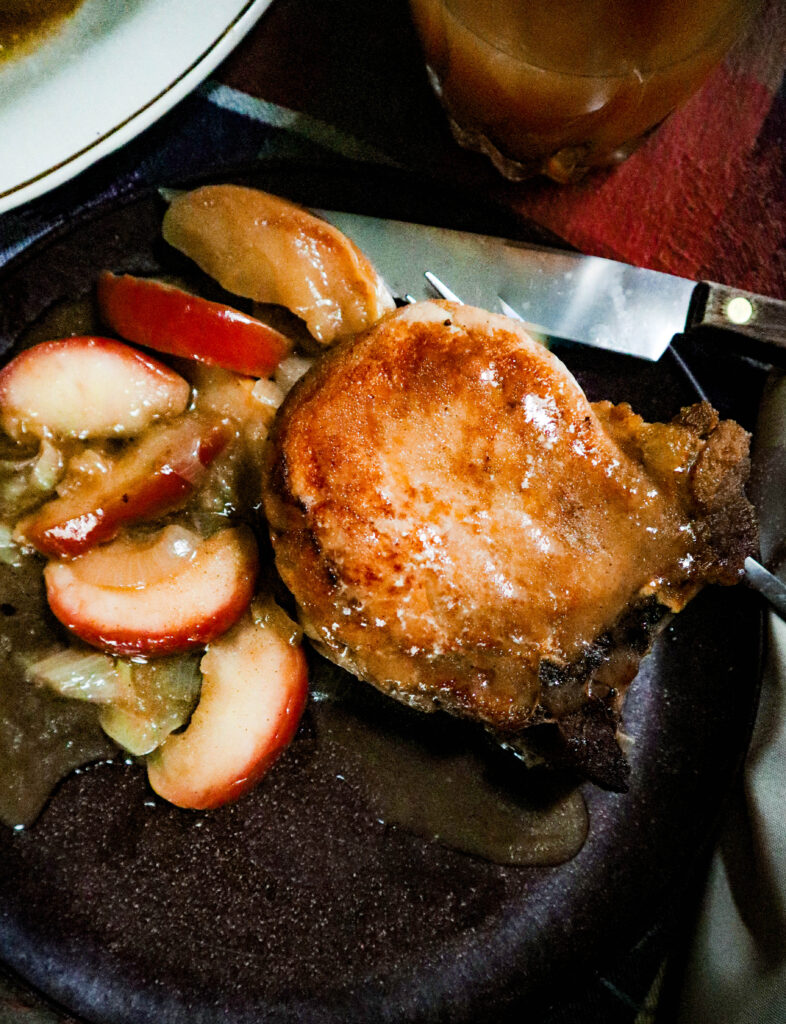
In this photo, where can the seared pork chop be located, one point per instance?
(462, 528)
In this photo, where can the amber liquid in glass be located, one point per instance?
(559, 86)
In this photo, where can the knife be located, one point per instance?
(568, 295)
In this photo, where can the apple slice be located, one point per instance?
(267, 249)
(171, 320)
(133, 561)
(87, 387)
(254, 690)
(156, 473)
(170, 614)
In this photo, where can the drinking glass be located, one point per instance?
(557, 87)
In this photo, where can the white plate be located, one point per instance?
(110, 71)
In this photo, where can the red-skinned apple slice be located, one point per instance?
(270, 250)
(171, 320)
(157, 473)
(87, 387)
(175, 613)
(254, 690)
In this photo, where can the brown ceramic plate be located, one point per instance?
(298, 904)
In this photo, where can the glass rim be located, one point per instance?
(743, 10)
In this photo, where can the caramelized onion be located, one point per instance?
(80, 675)
(27, 479)
(9, 549)
(268, 393)
(290, 370)
(157, 698)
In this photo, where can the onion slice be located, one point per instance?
(290, 370)
(77, 674)
(158, 697)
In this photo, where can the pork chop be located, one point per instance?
(460, 526)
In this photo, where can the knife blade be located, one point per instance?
(567, 295)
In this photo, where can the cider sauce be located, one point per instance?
(534, 78)
(442, 779)
(43, 737)
(428, 775)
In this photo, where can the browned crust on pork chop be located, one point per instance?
(454, 517)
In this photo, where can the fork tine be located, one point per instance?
(540, 332)
(508, 310)
(441, 288)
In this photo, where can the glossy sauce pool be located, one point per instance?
(442, 779)
(43, 737)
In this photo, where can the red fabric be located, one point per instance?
(705, 197)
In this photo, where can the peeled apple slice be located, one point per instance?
(270, 250)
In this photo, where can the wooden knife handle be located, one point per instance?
(754, 317)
